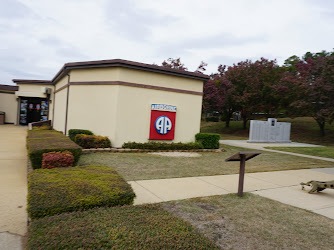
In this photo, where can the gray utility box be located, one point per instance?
(2, 117)
(269, 131)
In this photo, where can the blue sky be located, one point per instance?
(39, 36)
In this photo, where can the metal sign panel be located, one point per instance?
(162, 125)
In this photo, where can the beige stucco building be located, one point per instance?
(114, 98)
(8, 102)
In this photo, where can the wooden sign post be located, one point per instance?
(242, 157)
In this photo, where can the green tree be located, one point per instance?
(252, 90)
(307, 89)
(174, 64)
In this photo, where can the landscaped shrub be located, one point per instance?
(59, 190)
(57, 160)
(163, 145)
(44, 134)
(73, 132)
(129, 227)
(209, 141)
(212, 119)
(44, 127)
(92, 141)
(45, 141)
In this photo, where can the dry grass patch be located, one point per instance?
(143, 166)
(177, 154)
(254, 222)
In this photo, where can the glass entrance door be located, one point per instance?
(33, 109)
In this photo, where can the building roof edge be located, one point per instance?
(127, 64)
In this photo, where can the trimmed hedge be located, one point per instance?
(73, 132)
(45, 141)
(44, 133)
(212, 119)
(129, 227)
(59, 190)
(209, 141)
(92, 141)
(163, 145)
(44, 127)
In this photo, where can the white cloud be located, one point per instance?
(38, 36)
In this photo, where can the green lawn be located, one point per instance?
(327, 152)
(130, 227)
(234, 132)
(143, 166)
(254, 222)
(303, 129)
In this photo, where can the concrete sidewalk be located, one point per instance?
(282, 186)
(13, 186)
(261, 146)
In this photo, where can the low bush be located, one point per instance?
(45, 141)
(129, 227)
(59, 190)
(209, 141)
(45, 134)
(92, 141)
(73, 132)
(212, 119)
(44, 127)
(57, 160)
(163, 145)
